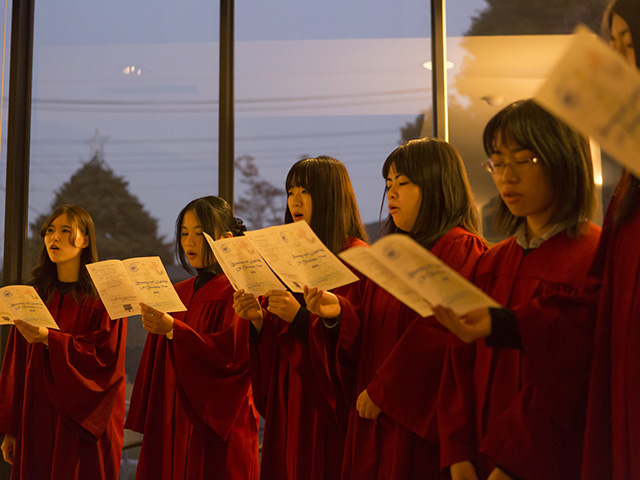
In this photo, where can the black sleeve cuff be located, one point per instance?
(332, 327)
(504, 329)
(254, 335)
(299, 327)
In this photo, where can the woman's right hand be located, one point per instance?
(474, 325)
(156, 321)
(463, 471)
(248, 307)
(321, 303)
(8, 448)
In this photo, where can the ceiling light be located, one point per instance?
(429, 66)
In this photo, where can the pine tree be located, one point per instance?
(124, 228)
(536, 17)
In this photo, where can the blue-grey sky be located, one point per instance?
(168, 154)
(65, 22)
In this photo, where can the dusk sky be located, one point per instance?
(168, 153)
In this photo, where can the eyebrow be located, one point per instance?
(512, 150)
(397, 175)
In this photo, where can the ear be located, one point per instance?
(85, 243)
(226, 235)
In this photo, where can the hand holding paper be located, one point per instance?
(155, 321)
(415, 276)
(247, 306)
(33, 333)
(321, 303)
(472, 326)
(292, 251)
(123, 285)
(23, 302)
(299, 258)
(243, 265)
(283, 304)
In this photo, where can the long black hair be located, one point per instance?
(45, 273)
(447, 202)
(563, 153)
(334, 210)
(215, 217)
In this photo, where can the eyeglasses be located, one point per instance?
(497, 167)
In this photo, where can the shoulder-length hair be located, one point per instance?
(215, 217)
(44, 275)
(447, 202)
(334, 209)
(563, 153)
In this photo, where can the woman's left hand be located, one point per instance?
(155, 321)
(33, 333)
(283, 304)
(498, 474)
(365, 406)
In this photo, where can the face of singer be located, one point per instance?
(404, 198)
(299, 203)
(526, 192)
(64, 244)
(192, 239)
(620, 39)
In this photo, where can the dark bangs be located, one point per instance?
(447, 202)
(334, 210)
(564, 154)
(215, 217)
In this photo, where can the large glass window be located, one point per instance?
(4, 86)
(502, 56)
(329, 78)
(125, 94)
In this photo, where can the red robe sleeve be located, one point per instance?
(406, 385)
(221, 357)
(12, 383)
(326, 374)
(455, 404)
(85, 371)
(209, 358)
(264, 358)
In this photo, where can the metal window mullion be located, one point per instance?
(438, 70)
(18, 147)
(226, 99)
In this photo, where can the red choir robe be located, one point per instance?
(612, 439)
(302, 437)
(398, 356)
(65, 404)
(523, 409)
(192, 395)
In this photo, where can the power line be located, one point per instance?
(240, 101)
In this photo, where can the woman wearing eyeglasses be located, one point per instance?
(512, 405)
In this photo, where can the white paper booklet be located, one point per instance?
(415, 276)
(292, 251)
(596, 91)
(243, 265)
(124, 284)
(299, 258)
(22, 302)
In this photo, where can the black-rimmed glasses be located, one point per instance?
(497, 167)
